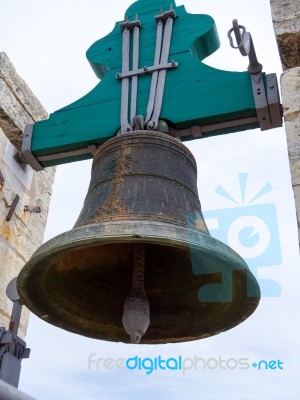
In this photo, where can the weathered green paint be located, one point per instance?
(194, 92)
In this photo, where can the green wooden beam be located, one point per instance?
(195, 93)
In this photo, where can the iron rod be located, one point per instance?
(135, 66)
(153, 86)
(125, 127)
(162, 73)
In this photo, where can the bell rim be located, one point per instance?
(133, 232)
(91, 234)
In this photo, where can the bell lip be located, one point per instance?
(133, 232)
(128, 231)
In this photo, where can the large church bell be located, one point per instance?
(139, 263)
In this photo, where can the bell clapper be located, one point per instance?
(136, 312)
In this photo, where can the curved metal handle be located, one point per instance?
(245, 45)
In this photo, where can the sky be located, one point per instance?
(47, 40)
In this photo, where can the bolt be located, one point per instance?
(34, 209)
(150, 125)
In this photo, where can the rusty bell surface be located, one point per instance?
(143, 190)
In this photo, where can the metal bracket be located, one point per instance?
(275, 108)
(267, 104)
(165, 15)
(260, 99)
(26, 155)
(146, 70)
(12, 348)
(130, 25)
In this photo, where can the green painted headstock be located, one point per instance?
(195, 94)
(194, 35)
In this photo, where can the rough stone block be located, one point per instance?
(24, 233)
(286, 19)
(18, 105)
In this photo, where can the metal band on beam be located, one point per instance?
(200, 130)
(91, 149)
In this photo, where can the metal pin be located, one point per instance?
(13, 207)
(34, 209)
(1, 178)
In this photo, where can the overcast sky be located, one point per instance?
(46, 40)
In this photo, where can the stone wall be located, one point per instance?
(20, 236)
(286, 20)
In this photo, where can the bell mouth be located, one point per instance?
(196, 286)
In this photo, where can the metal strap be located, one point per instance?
(135, 66)
(125, 127)
(150, 106)
(152, 124)
(159, 70)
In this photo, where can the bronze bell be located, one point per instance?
(141, 221)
